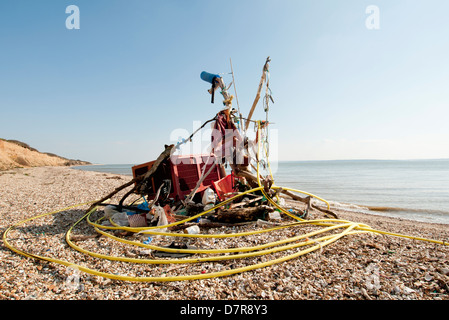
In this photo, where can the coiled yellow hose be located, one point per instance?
(329, 225)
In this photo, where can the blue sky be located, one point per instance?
(115, 90)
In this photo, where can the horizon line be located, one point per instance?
(316, 160)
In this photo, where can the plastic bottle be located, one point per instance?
(209, 199)
(208, 196)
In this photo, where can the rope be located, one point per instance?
(236, 98)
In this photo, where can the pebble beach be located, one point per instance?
(362, 266)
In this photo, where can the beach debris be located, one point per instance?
(109, 211)
(192, 184)
(137, 220)
(209, 199)
(158, 217)
(121, 219)
(230, 223)
(274, 216)
(192, 230)
(243, 214)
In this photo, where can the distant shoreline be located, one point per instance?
(17, 154)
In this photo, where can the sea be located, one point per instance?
(409, 189)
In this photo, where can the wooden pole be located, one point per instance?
(139, 179)
(256, 100)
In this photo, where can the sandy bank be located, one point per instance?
(20, 155)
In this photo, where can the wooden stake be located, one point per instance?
(256, 100)
(139, 179)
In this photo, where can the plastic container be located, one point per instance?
(208, 77)
(109, 211)
(192, 230)
(274, 215)
(208, 196)
(121, 218)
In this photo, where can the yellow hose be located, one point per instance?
(290, 243)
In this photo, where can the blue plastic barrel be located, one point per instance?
(208, 77)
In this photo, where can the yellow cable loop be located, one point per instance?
(329, 225)
(360, 226)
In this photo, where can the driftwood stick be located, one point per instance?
(142, 178)
(259, 89)
(325, 211)
(241, 214)
(252, 180)
(294, 196)
(120, 204)
(235, 205)
(164, 155)
(307, 200)
(111, 194)
(137, 180)
(241, 171)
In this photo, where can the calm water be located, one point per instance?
(412, 189)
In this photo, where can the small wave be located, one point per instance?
(342, 206)
(396, 209)
(368, 208)
(424, 215)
